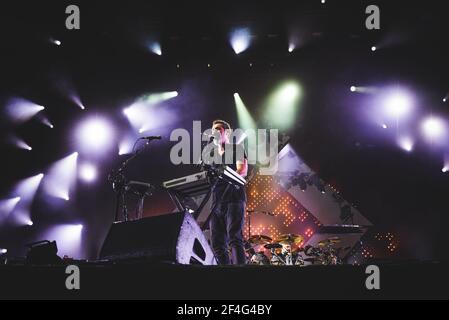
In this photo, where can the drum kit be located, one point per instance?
(288, 250)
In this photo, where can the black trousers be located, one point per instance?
(226, 226)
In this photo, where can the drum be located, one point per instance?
(260, 259)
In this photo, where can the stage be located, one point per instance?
(145, 280)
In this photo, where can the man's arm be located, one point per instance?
(242, 167)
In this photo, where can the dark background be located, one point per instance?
(108, 65)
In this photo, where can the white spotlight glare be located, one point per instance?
(373, 48)
(240, 40)
(95, 136)
(398, 104)
(353, 89)
(61, 177)
(433, 128)
(88, 172)
(21, 110)
(406, 143)
(156, 48)
(3, 251)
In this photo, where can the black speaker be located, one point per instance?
(174, 237)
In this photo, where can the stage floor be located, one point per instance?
(144, 280)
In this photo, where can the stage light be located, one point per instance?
(155, 47)
(26, 191)
(433, 128)
(19, 143)
(95, 136)
(282, 105)
(148, 112)
(29, 223)
(406, 143)
(126, 144)
(3, 251)
(445, 169)
(353, 89)
(27, 188)
(291, 48)
(8, 206)
(56, 42)
(444, 99)
(61, 177)
(384, 126)
(373, 48)
(21, 110)
(46, 122)
(69, 239)
(76, 100)
(155, 98)
(245, 119)
(88, 172)
(397, 103)
(240, 40)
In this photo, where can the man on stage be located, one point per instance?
(228, 201)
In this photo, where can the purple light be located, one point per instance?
(88, 172)
(406, 143)
(61, 177)
(19, 143)
(21, 110)
(8, 206)
(398, 104)
(434, 129)
(77, 101)
(68, 238)
(95, 136)
(47, 122)
(149, 112)
(126, 144)
(27, 188)
(26, 191)
(240, 40)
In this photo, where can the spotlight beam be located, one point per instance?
(245, 119)
(61, 177)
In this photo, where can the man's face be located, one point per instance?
(219, 132)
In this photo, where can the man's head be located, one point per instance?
(222, 130)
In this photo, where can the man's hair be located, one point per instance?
(225, 124)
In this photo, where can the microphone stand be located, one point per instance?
(119, 182)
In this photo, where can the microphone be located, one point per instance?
(149, 138)
(210, 136)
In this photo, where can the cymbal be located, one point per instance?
(273, 246)
(330, 241)
(259, 240)
(290, 239)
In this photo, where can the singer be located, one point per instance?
(228, 201)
